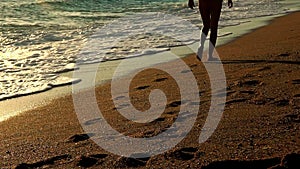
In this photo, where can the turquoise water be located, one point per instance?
(31, 22)
(40, 39)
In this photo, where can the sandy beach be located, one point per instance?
(260, 127)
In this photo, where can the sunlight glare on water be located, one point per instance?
(39, 39)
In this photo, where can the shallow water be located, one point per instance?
(39, 39)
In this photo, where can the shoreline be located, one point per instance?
(260, 124)
(32, 101)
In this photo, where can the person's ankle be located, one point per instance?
(200, 52)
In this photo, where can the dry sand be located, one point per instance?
(260, 127)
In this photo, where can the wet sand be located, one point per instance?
(259, 128)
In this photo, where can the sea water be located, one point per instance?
(40, 39)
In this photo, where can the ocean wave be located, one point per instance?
(42, 38)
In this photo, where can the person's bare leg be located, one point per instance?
(205, 15)
(216, 6)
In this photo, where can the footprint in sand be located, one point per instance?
(186, 153)
(142, 87)
(284, 54)
(145, 156)
(185, 71)
(89, 161)
(291, 118)
(185, 115)
(296, 95)
(260, 100)
(149, 133)
(119, 97)
(171, 112)
(49, 161)
(238, 100)
(160, 119)
(281, 103)
(264, 68)
(296, 81)
(160, 79)
(193, 65)
(247, 92)
(230, 92)
(80, 137)
(121, 106)
(86, 162)
(125, 162)
(250, 83)
(222, 94)
(99, 156)
(174, 104)
(295, 102)
(93, 121)
(201, 93)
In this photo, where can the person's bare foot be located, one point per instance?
(212, 59)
